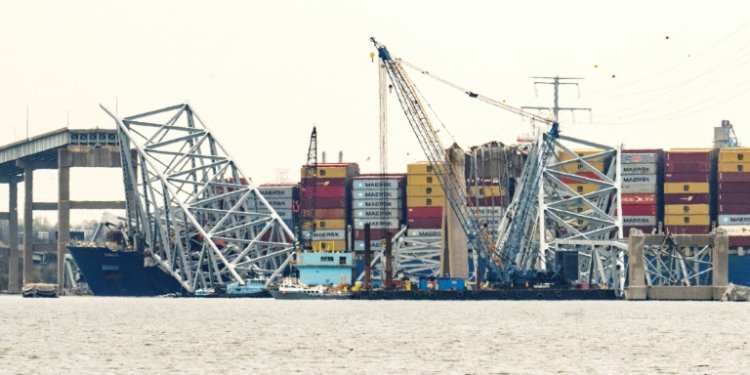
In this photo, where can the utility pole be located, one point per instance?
(556, 82)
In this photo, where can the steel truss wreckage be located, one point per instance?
(192, 211)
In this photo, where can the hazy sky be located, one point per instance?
(657, 73)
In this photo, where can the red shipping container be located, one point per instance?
(375, 234)
(734, 209)
(683, 229)
(733, 187)
(323, 182)
(323, 203)
(325, 213)
(726, 198)
(638, 209)
(687, 199)
(645, 230)
(323, 192)
(424, 212)
(687, 167)
(737, 241)
(734, 177)
(686, 177)
(688, 157)
(638, 199)
(487, 201)
(426, 222)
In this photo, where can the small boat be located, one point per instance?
(293, 289)
(39, 290)
(253, 288)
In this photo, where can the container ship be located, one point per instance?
(680, 191)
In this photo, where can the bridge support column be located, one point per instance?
(637, 289)
(28, 224)
(720, 264)
(13, 236)
(63, 215)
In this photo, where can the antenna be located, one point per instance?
(556, 82)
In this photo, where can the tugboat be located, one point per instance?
(291, 288)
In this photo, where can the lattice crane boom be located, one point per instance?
(435, 152)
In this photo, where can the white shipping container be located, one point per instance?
(734, 219)
(328, 234)
(368, 213)
(632, 221)
(639, 189)
(645, 169)
(376, 184)
(736, 230)
(276, 192)
(376, 203)
(377, 194)
(424, 232)
(640, 158)
(376, 223)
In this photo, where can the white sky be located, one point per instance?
(657, 73)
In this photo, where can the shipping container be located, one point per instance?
(733, 187)
(377, 203)
(308, 193)
(329, 245)
(280, 193)
(425, 222)
(319, 202)
(485, 191)
(330, 170)
(629, 157)
(573, 167)
(420, 212)
(424, 201)
(638, 221)
(420, 168)
(336, 234)
(687, 199)
(585, 188)
(688, 229)
(375, 234)
(489, 201)
(687, 209)
(736, 230)
(424, 232)
(688, 156)
(739, 242)
(734, 167)
(375, 213)
(379, 223)
(323, 182)
(325, 213)
(734, 208)
(731, 155)
(280, 204)
(370, 183)
(423, 179)
(686, 177)
(284, 214)
(377, 194)
(687, 220)
(734, 219)
(326, 224)
(642, 169)
(639, 210)
(702, 167)
(644, 229)
(686, 187)
(375, 245)
(638, 188)
(420, 190)
(734, 177)
(648, 199)
(735, 198)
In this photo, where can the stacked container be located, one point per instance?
(734, 195)
(377, 200)
(580, 169)
(641, 190)
(325, 200)
(284, 198)
(489, 198)
(687, 191)
(424, 202)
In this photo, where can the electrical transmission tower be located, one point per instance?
(556, 82)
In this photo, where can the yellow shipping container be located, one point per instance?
(331, 171)
(734, 167)
(686, 209)
(327, 245)
(584, 188)
(731, 155)
(424, 201)
(566, 156)
(579, 167)
(422, 179)
(420, 168)
(485, 191)
(686, 187)
(326, 224)
(689, 220)
(423, 190)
